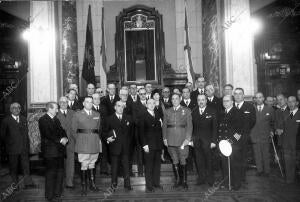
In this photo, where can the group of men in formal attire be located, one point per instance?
(143, 125)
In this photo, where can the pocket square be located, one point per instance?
(95, 117)
(246, 112)
(267, 114)
(207, 117)
(297, 121)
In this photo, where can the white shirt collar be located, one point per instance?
(202, 109)
(166, 99)
(151, 112)
(283, 107)
(51, 116)
(176, 108)
(261, 106)
(201, 89)
(62, 111)
(294, 111)
(95, 106)
(15, 117)
(119, 115)
(240, 104)
(210, 98)
(187, 100)
(89, 112)
(228, 110)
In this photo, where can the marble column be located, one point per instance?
(70, 67)
(42, 78)
(240, 69)
(211, 43)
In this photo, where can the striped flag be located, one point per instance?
(88, 71)
(187, 50)
(103, 79)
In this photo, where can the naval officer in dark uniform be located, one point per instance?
(230, 128)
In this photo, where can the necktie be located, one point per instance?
(97, 108)
(238, 106)
(111, 99)
(201, 111)
(17, 119)
(166, 100)
(120, 118)
(259, 108)
(134, 98)
(65, 114)
(71, 104)
(291, 115)
(282, 109)
(187, 103)
(174, 109)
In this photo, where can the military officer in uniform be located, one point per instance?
(230, 128)
(86, 126)
(177, 132)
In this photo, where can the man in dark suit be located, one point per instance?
(148, 88)
(117, 133)
(200, 88)
(138, 110)
(65, 116)
(260, 135)
(191, 104)
(133, 94)
(98, 107)
(230, 128)
(90, 90)
(73, 103)
(187, 101)
(247, 114)
(14, 132)
(54, 140)
(204, 139)
(110, 100)
(152, 142)
(291, 139)
(123, 94)
(212, 100)
(166, 100)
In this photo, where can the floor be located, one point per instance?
(257, 189)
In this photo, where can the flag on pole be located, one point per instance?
(187, 50)
(88, 71)
(103, 79)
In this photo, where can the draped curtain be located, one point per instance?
(140, 46)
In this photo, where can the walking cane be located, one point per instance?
(276, 156)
